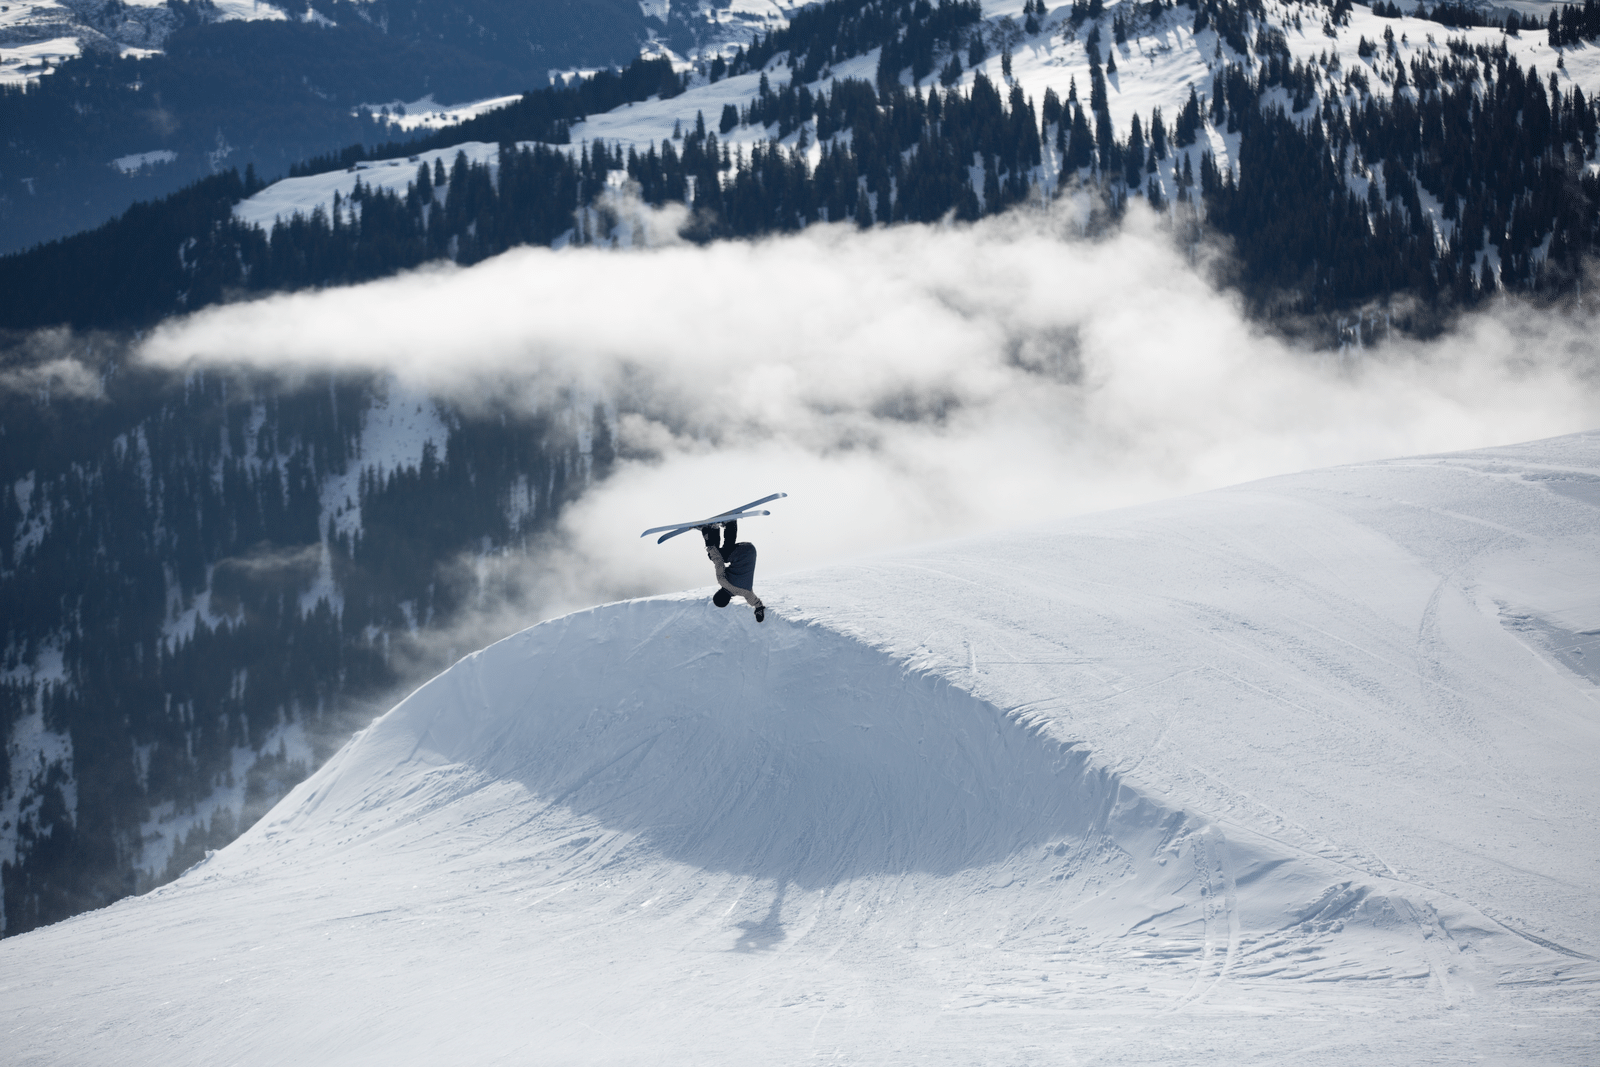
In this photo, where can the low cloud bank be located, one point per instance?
(901, 384)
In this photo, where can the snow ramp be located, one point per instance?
(1297, 771)
(799, 757)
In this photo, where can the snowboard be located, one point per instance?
(743, 511)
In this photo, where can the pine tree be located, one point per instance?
(863, 210)
(1133, 158)
(1080, 149)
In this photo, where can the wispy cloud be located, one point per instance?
(46, 365)
(901, 384)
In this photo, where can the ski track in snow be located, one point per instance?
(1295, 771)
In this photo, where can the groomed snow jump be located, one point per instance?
(1196, 782)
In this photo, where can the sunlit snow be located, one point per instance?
(1274, 773)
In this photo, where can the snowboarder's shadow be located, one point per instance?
(761, 936)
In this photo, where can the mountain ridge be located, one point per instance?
(1349, 172)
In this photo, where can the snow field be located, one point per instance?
(139, 160)
(1269, 773)
(291, 196)
(429, 114)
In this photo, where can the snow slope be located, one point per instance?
(1160, 62)
(1299, 770)
(291, 196)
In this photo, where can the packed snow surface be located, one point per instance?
(1297, 771)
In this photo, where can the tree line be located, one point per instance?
(1326, 206)
(201, 496)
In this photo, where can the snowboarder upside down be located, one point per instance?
(735, 564)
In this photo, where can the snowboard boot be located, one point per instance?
(721, 597)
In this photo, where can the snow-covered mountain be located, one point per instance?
(1344, 150)
(36, 35)
(1161, 60)
(1305, 764)
(131, 101)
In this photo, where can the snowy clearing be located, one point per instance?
(139, 160)
(302, 196)
(428, 114)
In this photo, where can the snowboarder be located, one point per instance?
(735, 563)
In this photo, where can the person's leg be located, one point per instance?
(713, 538)
(741, 564)
(736, 568)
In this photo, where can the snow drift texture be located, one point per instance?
(1205, 781)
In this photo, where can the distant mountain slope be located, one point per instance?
(1355, 157)
(1196, 782)
(37, 36)
(207, 583)
(208, 93)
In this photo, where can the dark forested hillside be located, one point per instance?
(269, 93)
(528, 36)
(1500, 150)
(221, 580)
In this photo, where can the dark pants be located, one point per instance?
(741, 562)
(739, 557)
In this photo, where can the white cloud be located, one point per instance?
(902, 384)
(44, 365)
